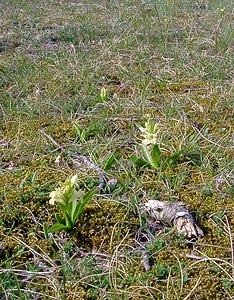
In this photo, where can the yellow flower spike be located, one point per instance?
(149, 132)
(67, 189)
(71, 203)
(56, 196)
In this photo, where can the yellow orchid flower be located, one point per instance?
(149, 132)
(66, 193)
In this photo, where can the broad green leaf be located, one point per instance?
(147, 156)
(172, 159)
(45, 229)
(111, 160)
(89, 195)
(140, 162)
(156, 155)
(57, 228)
(62, 207)
(69, 223)
(80, 132)
(73, 209)
(59, 219)
(81, 204)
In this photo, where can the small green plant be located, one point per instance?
(162, 270)
(227, 284)
(104, 94)
(82, 134)
(152, 155)
(69, 201)
(111, 160)
(156, 245)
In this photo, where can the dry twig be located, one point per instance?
(173, 214)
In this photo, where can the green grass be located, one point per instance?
(168, 60)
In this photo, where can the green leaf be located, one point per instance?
(172, 159)
(57, 228)
(156, 155)
(45, 229)
(81, 205)
(62, 207)
(147, 156)
(80, 132)
(140, 162)
(89, 195)
(72, 210)
(111, 160)
(59, 219)
(69, 222)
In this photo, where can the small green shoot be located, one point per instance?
(81, 133)
(104, 94)
(45, 229)
(111, 160)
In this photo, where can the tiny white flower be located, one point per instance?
(59, 161)
(142, 129)
(74, 179)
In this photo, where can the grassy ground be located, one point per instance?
(168, 60)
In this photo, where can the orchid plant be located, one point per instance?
(71, 203)
(152, 156)
(104, 94)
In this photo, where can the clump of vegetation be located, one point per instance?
(71, 203)
(153, 157)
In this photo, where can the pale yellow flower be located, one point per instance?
(70, 193)
(66, 192)
(149, 133)
(75, 196)
(56, 196)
